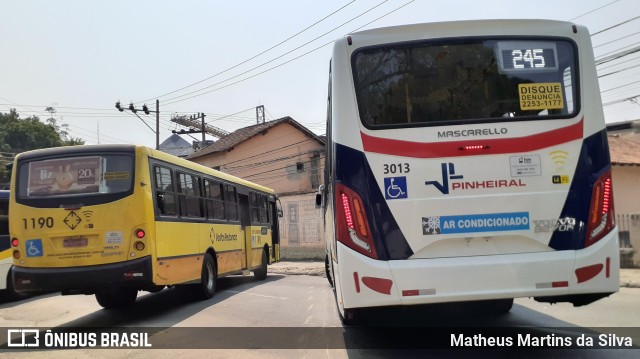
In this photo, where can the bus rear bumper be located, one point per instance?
(134, 273)
(559, 275)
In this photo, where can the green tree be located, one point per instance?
(24, 134)
(62, 130)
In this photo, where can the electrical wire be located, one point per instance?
(175, 99)
(589, 12)
(257, 55)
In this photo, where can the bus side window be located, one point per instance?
(165, 191)
(253, 205)
(189, 194)
(231, 202)
(264, 212)
(213, 199)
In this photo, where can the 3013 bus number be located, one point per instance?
(396, 168)
(40, 222)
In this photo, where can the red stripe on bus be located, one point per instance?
(491, 146)
(380, 285)
(585, 273)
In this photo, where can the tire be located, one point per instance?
(117, 298)
(350, 317)
(207, 287)
(499, 306)
(10, 293)
(261, 273)
(327, 270)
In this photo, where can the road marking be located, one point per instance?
(255, 294)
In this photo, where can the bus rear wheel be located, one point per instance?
(499, 306)
(327, 270)
(261, 273)
(116, 298)
(207, 287)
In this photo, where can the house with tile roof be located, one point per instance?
(624, 146)
(286, 156)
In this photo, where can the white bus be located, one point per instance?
(467, 161)
(6, 260)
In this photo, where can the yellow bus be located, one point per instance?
(112, 220)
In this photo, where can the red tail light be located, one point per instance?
(601, 214)
(351, 222)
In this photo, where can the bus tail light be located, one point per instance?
(601, 214)
(140, 233)
(15, 242)
(139, 246)
(16, 254)
(352, 225)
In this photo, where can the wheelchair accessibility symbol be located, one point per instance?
(34, 247)
(395, 187)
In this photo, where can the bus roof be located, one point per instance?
(471, 28)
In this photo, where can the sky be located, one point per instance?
(224, 58)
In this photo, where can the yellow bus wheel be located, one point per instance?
(116, 298)
(207, 286)
(261, 273)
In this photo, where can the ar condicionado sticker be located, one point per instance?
(541, 96)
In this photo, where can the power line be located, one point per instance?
(589, 12)
(617, 87)
(143, 121)
(272, 151)
(261, 53)
(619, 63)
(617, 55)
(268, 62)
(620, 100)
(618, 71)
(274, 67)
(272, 170)
(618, 51)
(614, 26)
(618, 39)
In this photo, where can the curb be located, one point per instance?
(629, 285)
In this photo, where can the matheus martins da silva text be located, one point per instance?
(549, 340)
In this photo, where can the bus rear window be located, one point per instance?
(76, 176)
(439, 83)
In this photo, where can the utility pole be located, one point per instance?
(146, 110)
(191, 120)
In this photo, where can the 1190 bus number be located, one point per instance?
(40, 222)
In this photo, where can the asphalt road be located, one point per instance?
(289, 312)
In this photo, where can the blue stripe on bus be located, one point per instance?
(353, 170)
(594, 160)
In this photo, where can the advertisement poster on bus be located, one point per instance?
(64, 176)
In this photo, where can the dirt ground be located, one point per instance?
(298, 268)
